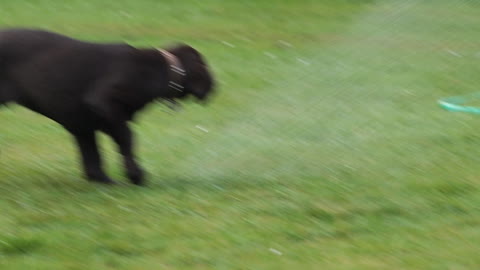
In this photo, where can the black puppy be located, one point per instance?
(88, 87)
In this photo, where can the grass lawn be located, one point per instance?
(325, 146)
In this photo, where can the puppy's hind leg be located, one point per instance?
(7, 93)
(6, 90)
(3, 95)
(3, 100)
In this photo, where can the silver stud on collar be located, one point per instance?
(175, 86)
(178, 70)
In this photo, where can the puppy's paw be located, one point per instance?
(137, 177)
(103, 180)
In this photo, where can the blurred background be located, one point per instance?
(323, 149)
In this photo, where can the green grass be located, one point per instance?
(326, 148)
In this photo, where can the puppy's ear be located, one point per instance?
(185, 53)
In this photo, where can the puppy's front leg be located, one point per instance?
(91, 158)
(122, 135)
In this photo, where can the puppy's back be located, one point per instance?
(18, 44)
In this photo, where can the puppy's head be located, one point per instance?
(198, 81)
